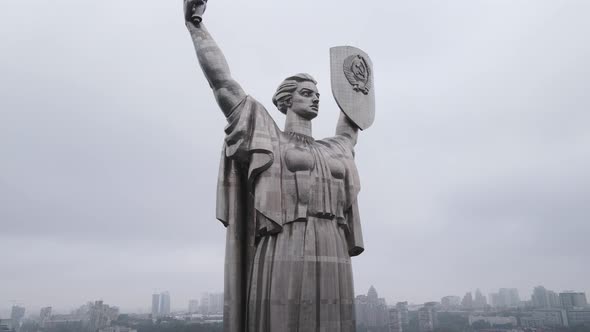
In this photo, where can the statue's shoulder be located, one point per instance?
(338, 144)
(249, 110)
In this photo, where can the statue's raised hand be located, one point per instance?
(193, 10)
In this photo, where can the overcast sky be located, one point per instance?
(475, 173)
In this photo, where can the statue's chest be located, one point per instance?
(312, 178)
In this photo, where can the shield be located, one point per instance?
(353, 84)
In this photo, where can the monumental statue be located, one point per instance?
(288, 201)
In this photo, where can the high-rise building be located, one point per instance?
(494, 300)
(193, 306)
(395, 320)
(160, 304)
(205, 301)
(480, 301)
(427, 317)
(155, 305)
(467, 301)
(165, 304)
(509, 297)
(371, 311)
(544, 298)
(540, 297)
(16, 316)
(570, 299)
(402, 307)
(100, 315)
(211, 303)
(505, 298)
(554, 301)
(216, 303)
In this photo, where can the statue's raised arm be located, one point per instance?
(228, 92)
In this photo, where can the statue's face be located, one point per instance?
(305, 101)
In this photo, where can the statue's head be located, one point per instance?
(299, 94)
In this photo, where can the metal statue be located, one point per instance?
(289, 202)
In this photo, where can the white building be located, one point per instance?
(193, 306)
(165, 304)
(577, 317)
(546, 318)
(493, 320)
(117, 329)
(160, 304)
(155, 305)
(427, 317)
(573, 300)
(395, 320)
(402, 307)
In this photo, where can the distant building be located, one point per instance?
(402, 307)
(450, 302)
(117, 329)
(216, 303)
(155, 305)
(6, 325)
(211, 303)
(493, 320)
(467, 301)
(571, 300)
(100, 315)
(74, 322)
(546, 318)
(427, 317)
(480, 301)
(554, 301)
(578, 317)
(193, 306)
(371, 311)
(44, 316)
(160, 304)
(16, 316)
(395, 320)
(165, 304)
(494, 300)
(205, 304)
(544, 298)
(505, 298)
(509, 297)
(531, 322)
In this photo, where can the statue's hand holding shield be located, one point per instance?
(194, 10)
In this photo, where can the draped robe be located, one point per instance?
(271, 181)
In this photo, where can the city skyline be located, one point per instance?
(544, 310)
(110, 140)
(184, 307)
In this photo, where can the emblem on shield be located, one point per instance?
(352, 84)
(358, 73)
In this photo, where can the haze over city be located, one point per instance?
(474, 175)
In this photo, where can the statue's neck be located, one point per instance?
(297, 124)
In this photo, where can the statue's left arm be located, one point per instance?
(345, 127)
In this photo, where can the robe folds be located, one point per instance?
(289, 204)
